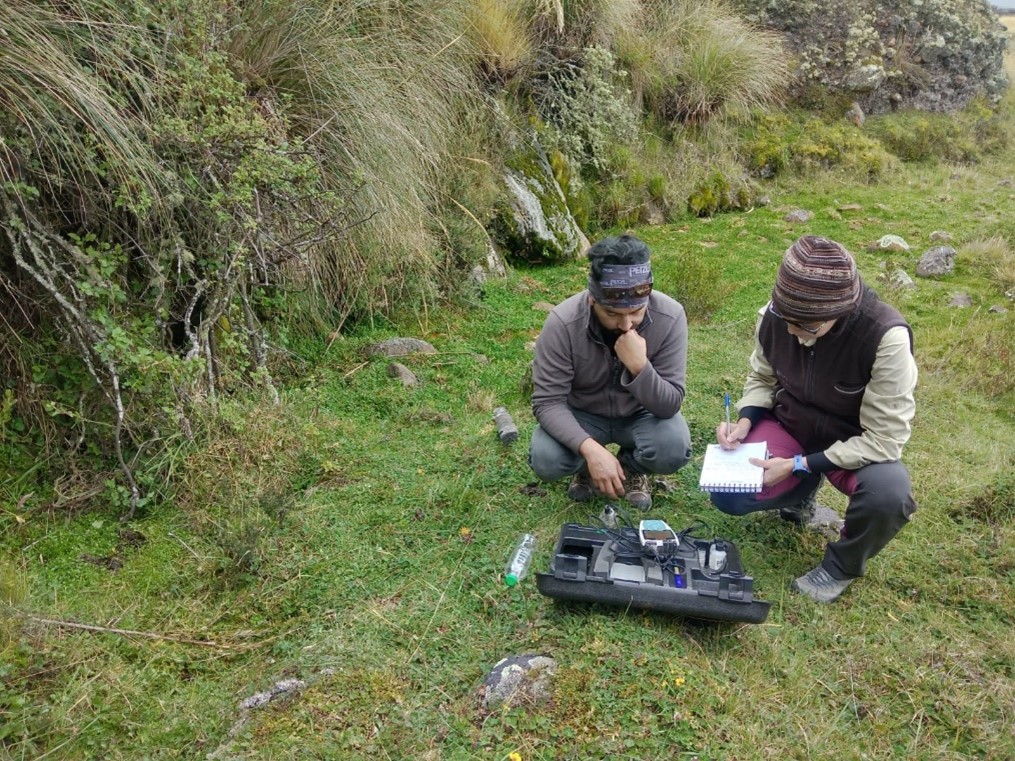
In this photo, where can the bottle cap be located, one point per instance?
(511, 579)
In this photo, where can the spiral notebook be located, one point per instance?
(729, 469)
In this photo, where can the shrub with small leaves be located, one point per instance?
(588, 109)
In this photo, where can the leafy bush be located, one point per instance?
(588, 109)
(207, 173)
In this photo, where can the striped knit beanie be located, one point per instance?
(817, 280)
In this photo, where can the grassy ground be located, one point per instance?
(353, 537)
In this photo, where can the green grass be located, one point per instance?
(353, 538)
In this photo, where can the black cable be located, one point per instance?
(690, 529)
(618, 537)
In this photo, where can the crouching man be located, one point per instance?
(610, 368)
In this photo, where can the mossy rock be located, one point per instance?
(534, 225)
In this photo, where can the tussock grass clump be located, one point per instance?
(995, 505)
(695, 60)
(70, 123)
(996, 257)
(501, 33)
(379, 94)
(569, 26)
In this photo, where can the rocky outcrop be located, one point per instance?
(934, 55)
(536, 226)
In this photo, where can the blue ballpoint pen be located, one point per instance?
(726, 400)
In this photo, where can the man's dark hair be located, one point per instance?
(622, 249)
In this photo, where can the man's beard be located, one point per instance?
(610, 336)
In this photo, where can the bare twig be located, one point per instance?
(127, 632)
(360, 366)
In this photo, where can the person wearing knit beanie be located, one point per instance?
(830, 390)
(817, 281)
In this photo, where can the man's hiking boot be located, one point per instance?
(820, 585)
(802, 512)
(638, 491)
(581, 488)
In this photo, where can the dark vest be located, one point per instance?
(819, 388)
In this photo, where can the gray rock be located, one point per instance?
(519, 679)
(799, 215)
(940, 236)
(399, 347)
(961, 301)
(402, 373)
(939, 260)
(855, 115)
(665, 485)
(826, 522)
(900, 279)
(279, 688)
(998, 309)
(892, 243)
(864, 79)
(493, 266)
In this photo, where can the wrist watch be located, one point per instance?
(800, 469)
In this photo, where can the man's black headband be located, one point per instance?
(622, 286)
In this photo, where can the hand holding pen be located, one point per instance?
(730, 434)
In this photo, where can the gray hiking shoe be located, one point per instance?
(638, 491)
(820, 585)
(581, 488)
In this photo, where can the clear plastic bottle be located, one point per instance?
(520, 560)
(507, 431)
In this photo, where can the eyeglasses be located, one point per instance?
(625, 294)
(804, 328)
